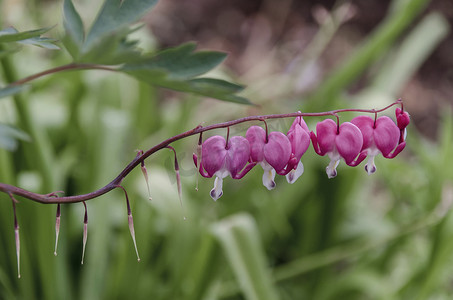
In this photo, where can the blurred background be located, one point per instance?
(385, 236)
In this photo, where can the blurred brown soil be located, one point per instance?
(248, 30)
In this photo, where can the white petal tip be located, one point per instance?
(55, 253)
(217, 191)
(293, 175)
(370, 170)
(271, 185)
(215, 195)
(268, 179)
(331, 173)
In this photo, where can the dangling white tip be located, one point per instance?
(84, 242)
(17, 238)
(57, 233)
(145, 174)
(178, 184)
(217, 191)
(293, 175)
(331, 169)
(370, 167)
(268, 179)
(130, 221)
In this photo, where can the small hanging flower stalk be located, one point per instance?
(130, 220)
(16, 233)
(145, 173)
(178, 179)
(57, 228)
(85, 231)
(199, 155)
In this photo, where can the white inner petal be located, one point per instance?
(292, 176)
(370, 167)
(331, 169)
(217, 191)
(268, 179)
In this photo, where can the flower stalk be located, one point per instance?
(46, 199)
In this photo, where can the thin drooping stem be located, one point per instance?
(130, 220)
(199, 155)
(46, 199)
(57, 228)
(178, 179)
(16, 234)
(68, 67)
(85, 231)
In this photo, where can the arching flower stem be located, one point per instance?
(46, 199)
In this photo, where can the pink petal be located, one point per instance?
(365, 124)
(299, 121)
(213, 154)
(257, 138)
(402, 118)
(300, 140)
(238, 154)
(386, 135)
(349, 141)
(326, 132)
(277, 151)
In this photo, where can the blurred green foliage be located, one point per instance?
(386, 236)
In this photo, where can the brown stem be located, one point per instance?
(46, 199)
(69, 67)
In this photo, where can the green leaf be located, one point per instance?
(12, 90)
(115, 15)
(175, 68)
(115, 50)
(31, 37)
(240, 241)
(10, 34)
(42, 42)
(9, 136)
(216, 85)
(209, 87)
(181, 62)
(73, 25)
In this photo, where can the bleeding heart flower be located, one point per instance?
(344, 141)
(379, 136)
(224, 160)
(272, 153)
(299, 137)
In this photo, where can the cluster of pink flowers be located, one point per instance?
(281, 154)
